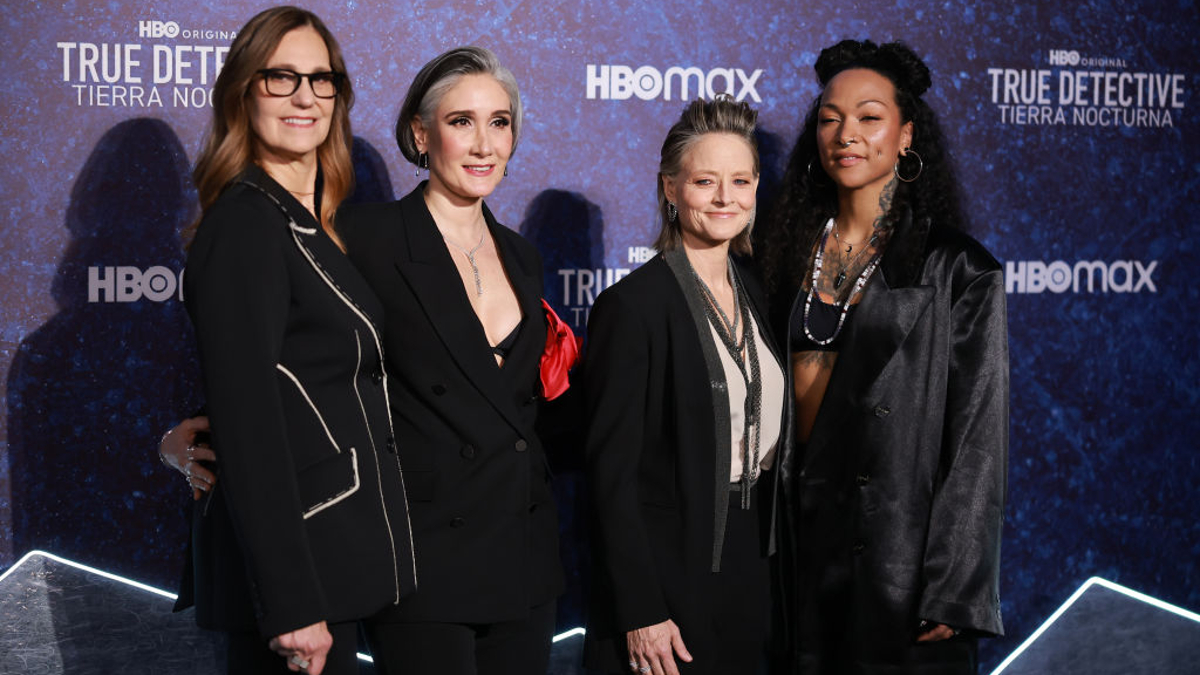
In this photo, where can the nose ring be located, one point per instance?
(845, 143)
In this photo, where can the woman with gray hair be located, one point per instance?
(685, 393)
(471, 351)
(465, 332)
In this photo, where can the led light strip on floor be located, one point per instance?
(158, 591)
(1094, 581)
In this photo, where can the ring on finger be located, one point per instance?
(298, 661)
(633, 666)
(644, 669)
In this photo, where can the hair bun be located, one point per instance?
(894, 59)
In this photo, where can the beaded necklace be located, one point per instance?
(812, 290)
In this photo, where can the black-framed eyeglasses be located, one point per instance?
(284, 82)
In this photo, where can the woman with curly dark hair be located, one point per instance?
(896, 330)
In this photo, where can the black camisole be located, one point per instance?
(822, 322)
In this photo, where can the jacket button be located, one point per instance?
(521, 445)
(438, 390)
(533, 507)
(377, 376)
(467, 452)
(859, 548)
(457, 522)
(862, 479)
(391, 444)
(882, 411)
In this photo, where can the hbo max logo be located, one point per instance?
(130, 284)
(619, 82)
(158, 29)
(1090, 276)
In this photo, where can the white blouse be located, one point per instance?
(771, 415)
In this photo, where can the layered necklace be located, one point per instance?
(744, 352)
(841, 275)
(471, 258)
(861, 281)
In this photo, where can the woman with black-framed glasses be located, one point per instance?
(307, 530)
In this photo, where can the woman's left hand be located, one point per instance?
(178, 449)
(935, 632)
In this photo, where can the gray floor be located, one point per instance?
(56, 618)
(1105, 632)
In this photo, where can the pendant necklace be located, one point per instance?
(471, 259)
(812, 289)
(841, 275)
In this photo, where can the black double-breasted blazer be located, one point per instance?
(483, 516)
(658, 459)
(308, 521)
(898, 495)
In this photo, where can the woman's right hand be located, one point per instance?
(304, 648)
(652, 649)
(178, 449)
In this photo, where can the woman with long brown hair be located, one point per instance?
(306, 531)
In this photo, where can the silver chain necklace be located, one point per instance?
(744, 352)
(841, 275)
(812, 289)
(471, 259)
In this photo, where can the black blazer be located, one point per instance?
(659, 481)
(310, 506)
(483, 516)
(899, 492)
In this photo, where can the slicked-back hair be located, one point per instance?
(722, 115)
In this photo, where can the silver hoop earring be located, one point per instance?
(422, 163)
(672, 212)
(920, 166)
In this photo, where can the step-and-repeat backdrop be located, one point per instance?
(1073, 127)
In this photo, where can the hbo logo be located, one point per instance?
(1063, 57)
(158, 29)
(129, 284)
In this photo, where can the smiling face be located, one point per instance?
(714, 190)
(469, 139)
(290, 128)
(860, 133)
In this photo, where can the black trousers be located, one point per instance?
(739, 597)
(248, 653)
(520, 647)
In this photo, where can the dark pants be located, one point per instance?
(734, 639)
(248, 653)
(520, 647)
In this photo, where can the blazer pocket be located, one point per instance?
(328, 482)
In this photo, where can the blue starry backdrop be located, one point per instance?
(1072, 125)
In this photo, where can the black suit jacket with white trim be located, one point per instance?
(308, 521)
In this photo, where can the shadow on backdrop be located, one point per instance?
(91, 390)
(371, 180)
(568, 230)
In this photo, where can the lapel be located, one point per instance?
(889, 310)
(424, 261)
